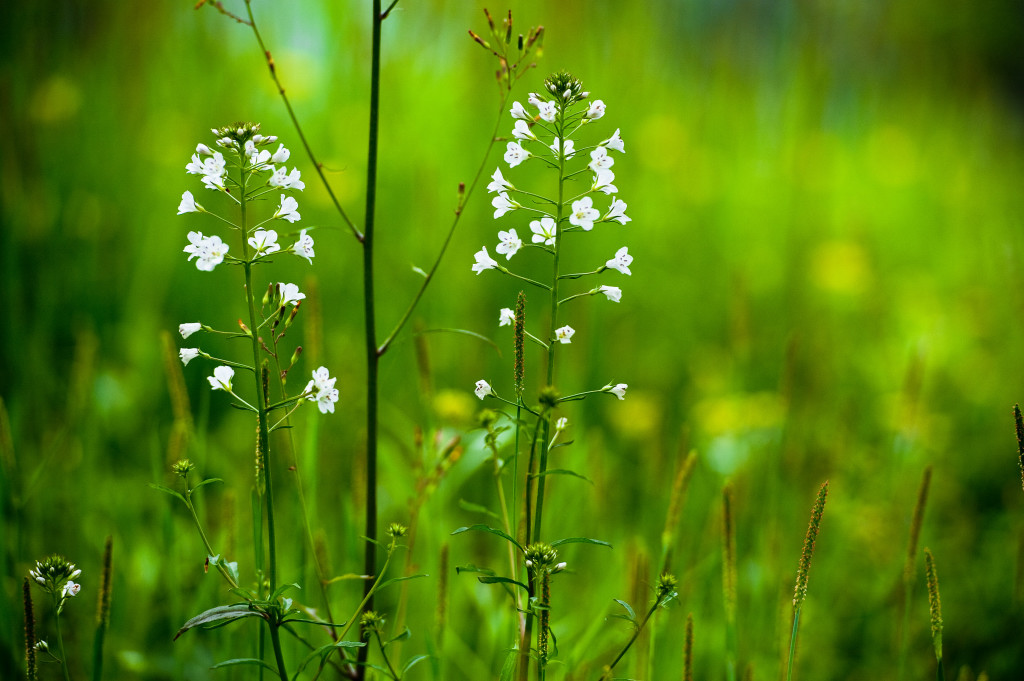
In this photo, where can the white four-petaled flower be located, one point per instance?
(522, 131)
(288, 210)
(503, 203)
(71, 589)
(304, 247)
(584, 214)
(617, 212)
(596, 110)
(621, 261)
(208, 251)
(543, 231)
(483, 261)
(188, 204)
(483, 389)
(547, 110)
(221, 379)
(506, 317)
(189, 328)
(290, 293)
(600, 160)
(566, 148)
(515, 154)
(614, 293)
(282, 178)
(510, 244)
(518, 111)
(281, 155)
(615, 142)
(188, 354)
(498, 182)
(603, 182)
(619, 390)
(564, 334)
(264, 241)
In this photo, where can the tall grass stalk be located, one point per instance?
(30, 633)
(729, 581)
(935, 611)
(688, 649)
(910, 566)
(103, 609)
(800, 590)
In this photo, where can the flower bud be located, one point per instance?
(203, 149)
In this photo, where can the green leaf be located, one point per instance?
(169, 491)
(411, 663)
(508, 670)
(281, 589)
(465, 333)
(501, 580)
(459, 569)
(389, 582)
(350, 575)
(206, 482)
(564, 471)
(580, 540)
(485, 528)
(243, 660)
(323, 651)
(629, 609)
(477, 508)
(222, 614)
(406, 633)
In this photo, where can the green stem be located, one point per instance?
(206, 542)
(792, 645)
(60, 637)
(383, 653)
(370, 322)
(632, 640)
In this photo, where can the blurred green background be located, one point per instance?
(827, 230)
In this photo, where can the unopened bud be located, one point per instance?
(245, 329)
(295, 356)
(203, 149)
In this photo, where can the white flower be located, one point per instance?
(290, 293)
(534, 100)
(567, 148)
(265, 242)
(288, 210)
(543, 231)
(617, 212)
(213, 181)
(596, 110)
(304, 247)
(619, 390)
(506, 317)
(615, 142)
(561, 424)
(188, 204)
(519, 112)
(281, 178)
(599, 159)
(584, 213)
(281, 155)
(212, 169)
(221, 379)
(614, 293)
(210, 253)
(498, 183)
(322, 391)
(195, 165)
(547, 110)
(483, 389)
(188, 354)
(189, 328)
(621, 261)
(564, 334)
(515, 154)
(483, 261)
(256, 158)
(510, 244)
(522, 131)
(203, 149)
(71, 589)
(603, 182)
(503, 203)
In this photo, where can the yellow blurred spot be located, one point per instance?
(740, 412)
(671, 153)
(892, 156)
(454, 406)
(840, 267)
(55, 100)
(638, 417)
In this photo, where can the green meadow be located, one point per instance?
(827, 226)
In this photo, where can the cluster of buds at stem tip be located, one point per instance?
(666, 587)
(183, 467)
(55, 575)
(565, 88)
(512, 53)
(540, 558)
(397, 530)
(371, 623)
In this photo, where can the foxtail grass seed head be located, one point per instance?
(1019, 422)
(30, 632)
(519, 335)
(934, 602)
(800, 592)
(103, 598)
(688, 649)
(915, 525)
(728, 554)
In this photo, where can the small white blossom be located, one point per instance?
(503, 203)
(543, 231)
(522, 131)
(281, 155)
(264, 241)
(290, 293)
(534, 100)
(564, 334)
(566, 148)
(510, 244)
(498, 182)
(189, 328)
(515, 154)
(288, 210)
(506, 317)
(221, 379)
(208, 251)
(203, 149)
(584, 214)
(619, 390)
(483, 389)
(596, 110)
(322, 391)
(195, 165)
(547, 111)
(188, 204)
(483, 261)
(518, 111)
(256, 158)
(559, 567)
(600, 160)
(561, 424)
(617, 212)
(615, 142)
(621, 261)
(614, 293)
(282, 178)
(603, 182)
(71, 589)
(188, 354)
(304, 247)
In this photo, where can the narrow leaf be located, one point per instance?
(322, 651)
(244, 660)
(459, 569)
(477, 508)
(500, 580)
(224, 613)
(414, 661)
(168, 490)
(629, 609)
(580, 540)
(206, 482)
(564, 471)
(389, 582)
(485, 528)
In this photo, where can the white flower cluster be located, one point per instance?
(322, 391)
(546, 137)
